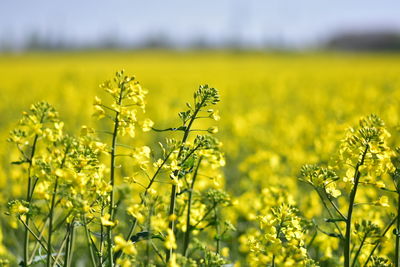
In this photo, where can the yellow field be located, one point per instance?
(278, 112)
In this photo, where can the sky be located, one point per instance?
(252, 22)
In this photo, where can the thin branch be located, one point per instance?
(378, 243)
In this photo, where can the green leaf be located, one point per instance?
(145, 235)
(19, 162)
(333, 220)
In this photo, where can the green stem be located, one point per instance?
(134, 223)
(312, 240)
(29, 194)
(90, 246)
(71, 245)
(204, 216)
(189, 208)
(111, 207)
(65, 241)
(51, 213)
(335, 207)
(35, 236)
(397, 256)
(37, 245)
(101, 236)
(51, 223)
(157, 251)
(173, 189)
(277, 236)
(68, 241)
(112, 181)
(359, 250)
(172, 221)
(148, 256)
(347, 240)
(329, 212)
(378, 243)
(218, 238)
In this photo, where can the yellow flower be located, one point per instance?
(174, 165)
(225, 252)
(105, 220)
(170, 242)
(215, 116)
(173, 217)
(172, 261)
(134, 210)
(97, 101)
(349, 175)
(124, 262)
(158, 223)
(213, 130)
(158, 163)
(331, 190)
(380, 184)
(382, 201)
(152, 192)
(130, 129)
(59, 173)
(130, 180)
(126, 246)
(99, 112)
(42, 189)
(18, 209)
(147, 125)
(175, 181)
(86, 130)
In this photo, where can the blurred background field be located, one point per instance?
(287, 103)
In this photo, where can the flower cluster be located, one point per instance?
(279, 240)
(365, 159)
(321, 178)
(127, 97)
(366, 147)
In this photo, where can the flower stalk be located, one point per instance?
(347, 238)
